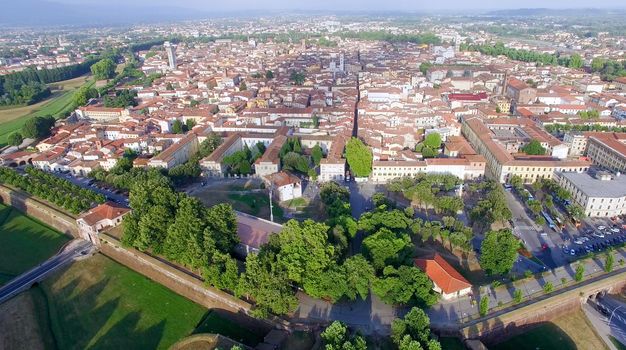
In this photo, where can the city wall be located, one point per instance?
(504, 325)
(44, 212)
(170, 276)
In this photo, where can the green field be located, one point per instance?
(214, 323)
(24, 242)
(572, 331)
(100, 304)
(57, 106)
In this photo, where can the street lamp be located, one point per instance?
(271, 211)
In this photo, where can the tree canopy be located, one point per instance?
(534, 147)
(359, 157)
(103, 69)
(498, 252)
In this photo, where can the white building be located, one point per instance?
(599, 193)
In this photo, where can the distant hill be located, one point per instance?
(537, 12)
(50, 13)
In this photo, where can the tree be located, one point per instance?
(38, 127)
(209, 145)
(517, 296)
(580, 273)
(433, 140)
(243, 86)
(483, 306)
(177, 127)
(609, 261)
(359, 157)
(404, 285)
(415, 324)
(534, 148)
(498, 252)
(386, 247)
(517, 182)
(534, 206)
(15, 139)
(84, 94)
(317, 154)
(268, 284)
(337, 337)
(575, 61)
(269, 74)
(575, 211)
(189, 124)
(297, 78)
(359, 275)
(169, 87)
(425, 66)
(548, 287)
(103, 69)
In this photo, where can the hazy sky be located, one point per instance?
(391, 5)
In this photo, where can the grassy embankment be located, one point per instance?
(58, 105)
(24, 242)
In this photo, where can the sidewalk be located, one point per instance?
(599, 322)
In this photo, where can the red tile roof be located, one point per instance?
(442, 274)
(108, 210)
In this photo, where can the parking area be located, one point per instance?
(109, 192)
(561, 244)
(594, 236)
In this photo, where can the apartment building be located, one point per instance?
(500, 150)
(176, 154)
(468, 168)
(608, 150)
(333, 167)
(102, 114)
(520, 92)
(599, 193)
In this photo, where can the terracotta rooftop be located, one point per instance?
(443, 274)
(107, 210)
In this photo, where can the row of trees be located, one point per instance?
(293, 158)
(557, 128)
(430, 191)
(14, 81)
(425, 38)
(51, 188)
(25, 94)
(573, 61)
(183, 230)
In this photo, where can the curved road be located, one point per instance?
(71, 251)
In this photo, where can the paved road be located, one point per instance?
(370, 315)
(456, 311)
(614, 312)
(599, 322)
(75, 249)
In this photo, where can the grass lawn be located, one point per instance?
(24, 242)
(572, 331)
(215, 323)
(12, 120)
(253, 203)
(100, 304)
